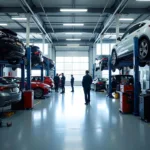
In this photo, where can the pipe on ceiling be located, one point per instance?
(111, 19)
(37, 21)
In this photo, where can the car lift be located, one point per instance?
(135, 63)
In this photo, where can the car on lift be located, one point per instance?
(47, 80)
(99, 84)
(9, 93)
(51, 63)
(101, 62)
(40, 89)
(124, 47)
(11, 47)
(36, 56)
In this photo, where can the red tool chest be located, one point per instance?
(28, 98)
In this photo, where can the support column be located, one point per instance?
(42, 74)
(136, 77)
(28, 52)
(117, 26)
(43, 36)
(22, 74)
(48, 68)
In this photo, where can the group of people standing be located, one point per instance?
(60, 82)
(86, 84)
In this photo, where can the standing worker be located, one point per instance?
(56, 82)
(86, 83)
(72, 83)
(63, 83)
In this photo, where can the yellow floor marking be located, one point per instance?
(37, 103)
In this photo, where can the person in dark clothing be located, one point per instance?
(56, 82)
(63, 79)
(72, 83)
(86, 83)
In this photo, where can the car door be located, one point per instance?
(121, 45)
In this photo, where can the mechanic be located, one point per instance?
(72, 83)
(56, 82)
(86, 83)
(63, 79)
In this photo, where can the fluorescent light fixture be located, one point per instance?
(73, 24)
(143, 0)
(18, 18)
(73, 45)
(3, 24)
(73, 39)
(75, 33)
(73, 10)
(126, 19)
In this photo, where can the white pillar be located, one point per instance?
(43, 43)
(117, 26)
(28, 30)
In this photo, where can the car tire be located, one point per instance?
(15, 61)
(114, 60)
(144, 48)
(38, 93)
(142, 64)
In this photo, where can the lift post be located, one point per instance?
(136, 76)
(47, 68)
(28, 68)
(110, 85)
(1, 70)
(22, 74)
(42, 73)
(93, 71)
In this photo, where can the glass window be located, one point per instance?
(105, 49)
(59, 66)
(76, 59)
(59, 59)
(68, 59)
(68, 66)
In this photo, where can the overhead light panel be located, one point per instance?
(126, 19)
(73, 10)
(3, 24)
(73, 39)
(73, 33)
(73, 24)
(18, 18)
(73, 45)
(143, 0)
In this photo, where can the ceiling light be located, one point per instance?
(3, 24)
(15, 18)
(126, 19)
(73, 24)
(73, 10)
(143, 0)
(73, 45)
(73, 39)
(77, 33)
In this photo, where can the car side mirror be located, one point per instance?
(119, 39)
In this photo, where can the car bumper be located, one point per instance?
(47, 91)
(8, 98)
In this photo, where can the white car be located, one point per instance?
(125, 45)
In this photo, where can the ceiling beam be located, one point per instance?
(90, 10)
(111, 30)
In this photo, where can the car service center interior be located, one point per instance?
(51, 52)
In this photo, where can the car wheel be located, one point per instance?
(38, 93)
(143, 49)
(142, 64)
(114, 60)
(16, 61)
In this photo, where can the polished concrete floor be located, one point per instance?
(63, 122)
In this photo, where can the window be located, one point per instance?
(105, 49)
(72, 65)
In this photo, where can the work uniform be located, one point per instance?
(56, 81)
(63, 84)
(86, 83)
(72, 83)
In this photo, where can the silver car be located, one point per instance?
(9, 93)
